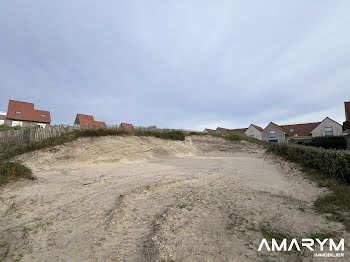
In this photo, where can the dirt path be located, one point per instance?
(146, 199)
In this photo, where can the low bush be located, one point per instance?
(12, 171)
(334, 163)
(328, 142)
(7, 128)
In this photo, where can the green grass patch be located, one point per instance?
(301, 209)
(6, 173)
(7, 128)
(182, 205)
(328, 168)
(337, 203)
(270, 233)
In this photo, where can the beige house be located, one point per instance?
(328, 127)
(273, 133)
(254, 131)
(25, 115)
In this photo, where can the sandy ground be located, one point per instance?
(146, 199)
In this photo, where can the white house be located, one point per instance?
(254, 131)
(276, 133)
(328, 127)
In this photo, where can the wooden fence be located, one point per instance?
(29, 135)
(26, 136)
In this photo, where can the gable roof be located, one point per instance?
(238, 130)
(325, 120)
(27, 112)
(127, 126)
(88, 122)
(209, 130)
(300, 129)
(224, 130)
(275, 126)
(257, 127)
(100, 124)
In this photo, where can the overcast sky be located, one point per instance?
(181, 64)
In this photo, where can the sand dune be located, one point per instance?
(147, 199)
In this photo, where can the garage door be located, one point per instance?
(273, 140)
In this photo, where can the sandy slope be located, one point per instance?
(146, 199)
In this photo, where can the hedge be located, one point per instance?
(334, 163)
(328, 142)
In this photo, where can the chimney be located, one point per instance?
(347, 111)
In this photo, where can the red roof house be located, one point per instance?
(297, 130)
(225, 130)
(24, 111)
(208, 130)
(126, 126)
(222, 130)
(100, 124)
(88, 122)
(238, 130)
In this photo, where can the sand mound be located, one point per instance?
(117, 149)
(147, 199)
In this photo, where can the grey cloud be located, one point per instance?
(176, 63)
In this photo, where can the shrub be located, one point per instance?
(328, 142)
(7, 128)
(334, 163)
(20, 171)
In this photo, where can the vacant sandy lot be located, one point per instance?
(146, 199)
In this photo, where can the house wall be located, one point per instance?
(257, 133)
(319, 130)
(2, 119)
(279, 133)
(10, 122)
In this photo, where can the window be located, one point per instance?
(101, 125)
(328, 131)
(251, 134)
(291, 130)
(18, 112)
(42, 115)
(86, 124)
(272, 133)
